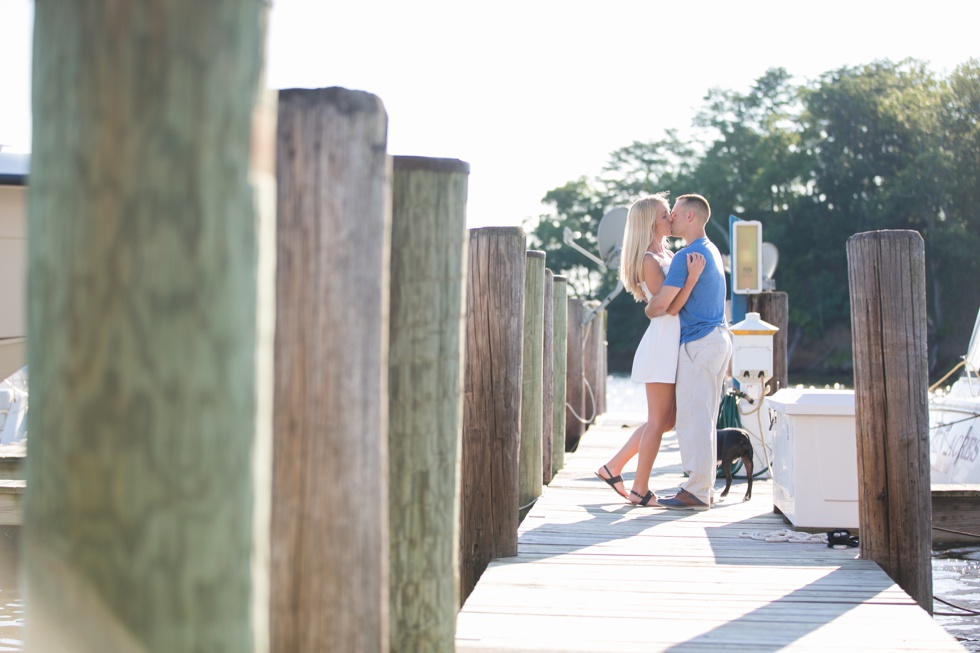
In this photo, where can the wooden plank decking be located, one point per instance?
(955, 514)
(593, 574)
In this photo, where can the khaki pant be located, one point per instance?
(701, 370)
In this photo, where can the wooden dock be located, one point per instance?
(955, 514)
(593, 574)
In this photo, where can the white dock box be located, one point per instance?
(814, 457)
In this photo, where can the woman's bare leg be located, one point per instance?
(660, 416)
(616, 464)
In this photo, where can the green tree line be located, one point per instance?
(880, 146)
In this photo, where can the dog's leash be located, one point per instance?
(758, 415)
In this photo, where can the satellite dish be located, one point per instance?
(611, 231)
(770, 259)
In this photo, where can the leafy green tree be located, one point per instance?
(866, 128)
(753, 166)
(633, 171)
(641, 168)
(577, 206)
(954, 227)
(961, 125)
(883, 159)
(880, 146)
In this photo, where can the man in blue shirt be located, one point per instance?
(706, 349)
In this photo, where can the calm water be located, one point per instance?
(956, 579)
(955, 571)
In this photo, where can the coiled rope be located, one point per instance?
(585, 380)
(785, 535)
(588, 387)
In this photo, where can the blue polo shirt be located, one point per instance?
(705, 308)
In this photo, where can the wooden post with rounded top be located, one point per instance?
(593, 353)
(531, 384)
(146, 517)
(329, 576)
(425, 399)
(886, 271)
(547, 376)
(491, 400)
(559, 344)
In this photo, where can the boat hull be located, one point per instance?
(954, 435)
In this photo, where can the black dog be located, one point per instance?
(734, 443)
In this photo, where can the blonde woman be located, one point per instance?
(643, 267)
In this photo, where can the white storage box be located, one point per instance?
(814, 457)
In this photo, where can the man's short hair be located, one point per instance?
(701, 206)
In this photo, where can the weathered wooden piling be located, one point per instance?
(593, 352)
(491, 399)
(146, 520)
(575, 395)
(603, 367)
(425, 399)
(886, 272)
(559, 353)
(773, 307)
(531, 395)
(329, 580)
(548, 376)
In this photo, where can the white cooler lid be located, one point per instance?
(812, 401)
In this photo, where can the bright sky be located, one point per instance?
(535, 93)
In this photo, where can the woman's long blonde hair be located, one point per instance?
(639, 233)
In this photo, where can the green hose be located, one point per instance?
(728, 417)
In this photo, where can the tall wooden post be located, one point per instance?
(603, 367)
(329, 554)
(560, 296)
(491, 400)
(595, 353)
(574, 375)
(531, 384)
(548, 377)
(773, 307)
(886, 270)
(146, 522)
(425, 389)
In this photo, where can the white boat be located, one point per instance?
(13, 263)
(954, 429)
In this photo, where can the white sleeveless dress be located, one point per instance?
(655, 360)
